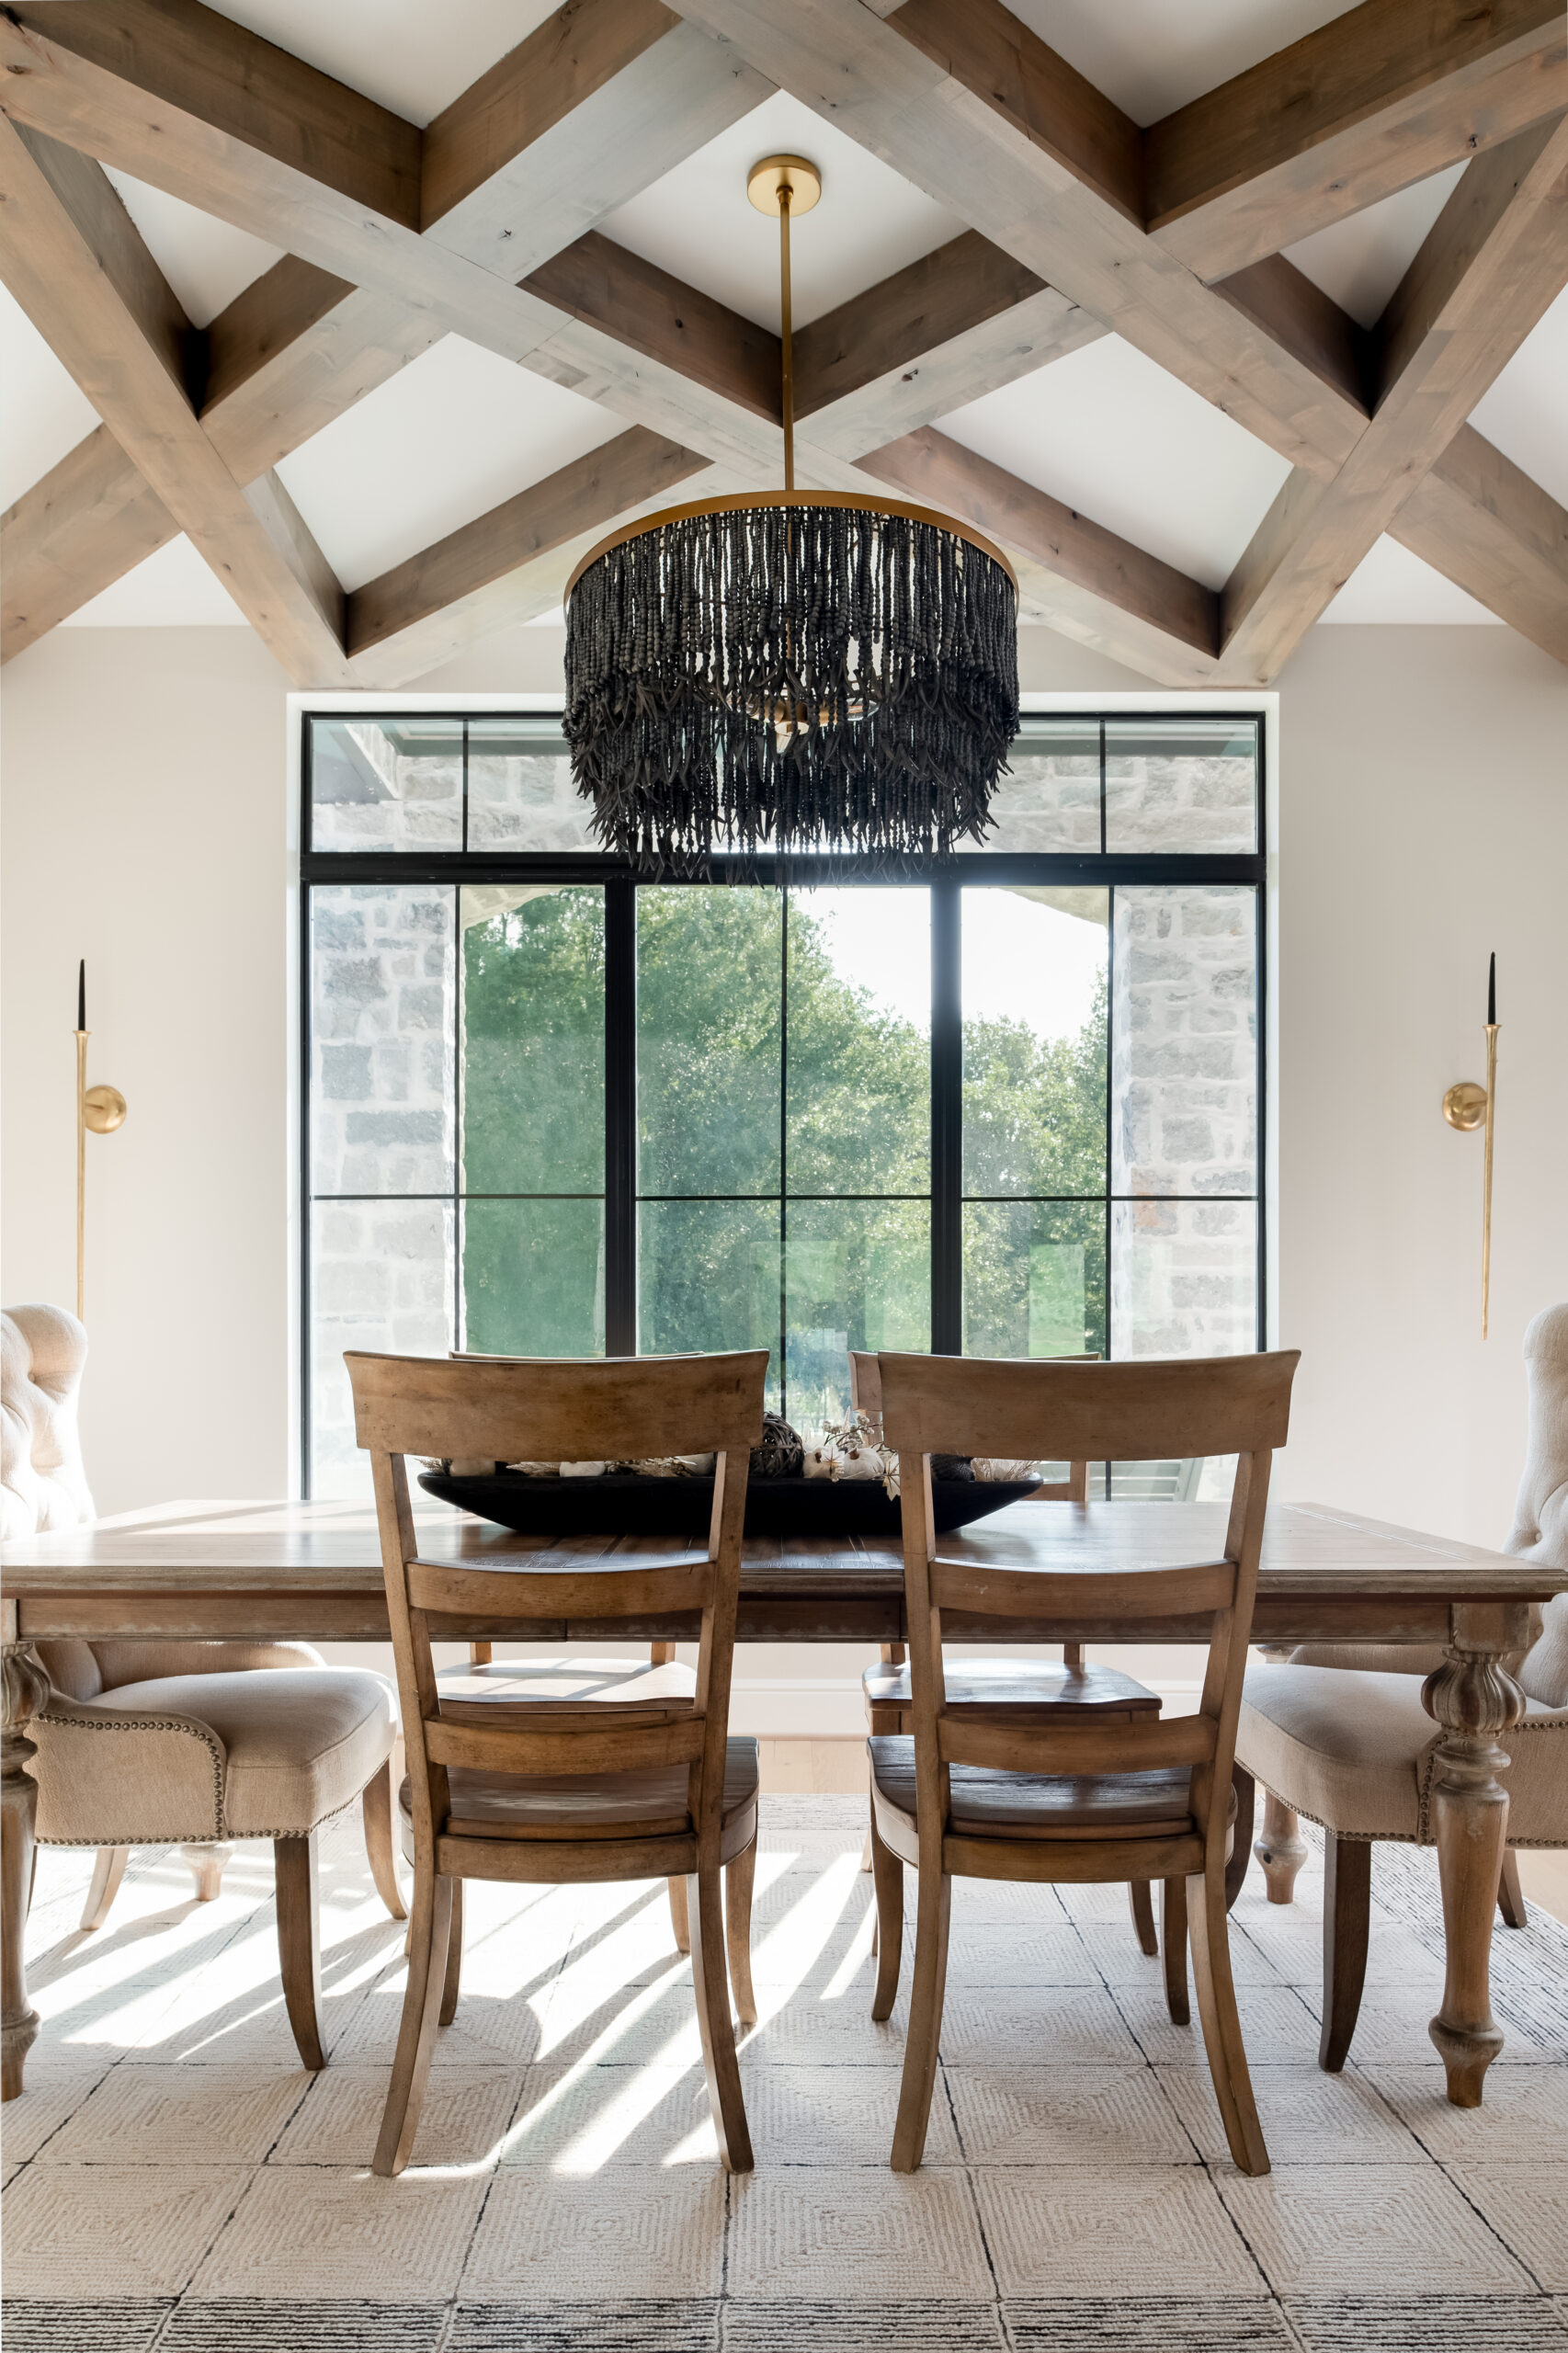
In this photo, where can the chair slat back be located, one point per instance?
(1109, 1412)
(866, 1396)
(564, 1410)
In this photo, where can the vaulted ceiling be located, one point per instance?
(368, 321)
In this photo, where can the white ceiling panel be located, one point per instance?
(450, 436)
(699, 223)
(407, 54)
(1152, 57)
(42, 414)
(1112, 435)
(206, 262)
(175, 588)
(1360, 260)
(1526, 412)
(1392, 584)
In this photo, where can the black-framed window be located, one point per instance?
(1012, 1105)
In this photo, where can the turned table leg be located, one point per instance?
(26, 1693)
(1281, 1849)
(1472, 1699)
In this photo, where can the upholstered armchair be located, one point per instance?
(1338, 1733)
(191, 1744)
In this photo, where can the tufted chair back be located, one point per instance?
(1540, 1514)
(43, 1481)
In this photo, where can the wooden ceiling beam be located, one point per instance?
(88, 522)
(1082, 579)
(967, 102)
(958, 323)
(1481, 521)
(1370, 102)
(514, 562)
(1495, 257)
(68, 252)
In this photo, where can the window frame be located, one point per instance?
(945, 880)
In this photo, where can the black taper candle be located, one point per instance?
(1491, 992)
(82, 994)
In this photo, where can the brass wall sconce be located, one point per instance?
(1467, 1105)
(103, 1109)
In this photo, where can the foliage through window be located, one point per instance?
(1011, 1106)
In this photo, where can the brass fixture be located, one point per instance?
(103, 1109)
(784, 185)
(1467, 1105)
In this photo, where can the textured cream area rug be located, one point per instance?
(176, 2183)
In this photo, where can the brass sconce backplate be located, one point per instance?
(104, 1108)
(1464, 1106)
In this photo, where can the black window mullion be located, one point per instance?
(306, 1091)
(947, 1120)
(620, 1119)
(458, 1206)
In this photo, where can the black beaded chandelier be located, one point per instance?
(812, 671)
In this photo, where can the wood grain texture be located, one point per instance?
(1495, 259)
(82, 527)
(957, 323)
(494, 570)
(955, 94)
(595, 105)
(1481, 521)
(55, 223)
(249, 89)
(636, 303)
(1094, 586)
(1374, 99)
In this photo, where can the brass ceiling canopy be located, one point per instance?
(826, 671)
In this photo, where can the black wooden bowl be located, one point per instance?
(628, 1504)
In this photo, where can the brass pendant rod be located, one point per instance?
(1487, 1176)
(786, 337)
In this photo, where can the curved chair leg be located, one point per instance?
(1281, 1849)
(932, 1914)
(680, 1926)
(1347, 1925)
(1141, 1897)
(739, 1876)
(888, 1880)
(429, 1933)
(107, 1872)
(1172, 1922)
(452, 1981)
(207, 1863)
(1245, 1789)
(298, 1942)
(376, 1811)
(710, 1984)
(1510, 1895)
(1208, 1926)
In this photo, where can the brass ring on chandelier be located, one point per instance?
(736, 506)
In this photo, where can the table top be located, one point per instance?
(1309, 1549)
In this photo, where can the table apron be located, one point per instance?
(773, 1617)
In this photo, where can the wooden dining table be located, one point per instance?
(313, 1571)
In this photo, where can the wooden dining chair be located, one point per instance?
(481, 1655)
(1024, 1690)
(1081, 1802)
(594, 1785)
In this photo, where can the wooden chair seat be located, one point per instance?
(987, 1804)
(1012, 1690)
(650, 1803)
(633, 1690)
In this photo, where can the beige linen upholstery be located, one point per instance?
(1358, 1758)
(1541, 1514)
(43, 1481)
(260, 1752)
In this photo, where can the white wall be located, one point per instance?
(1424, 821)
